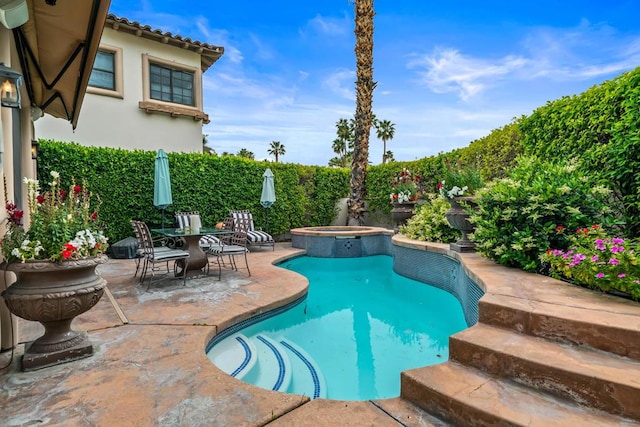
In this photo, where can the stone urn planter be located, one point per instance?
(459, 219)
(401, 212)
(54, 293)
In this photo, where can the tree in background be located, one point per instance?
(388, 156)
(205, 148)
(246, 154)
(343, 144)
(365, 85)
(385, 130)
(276, 149)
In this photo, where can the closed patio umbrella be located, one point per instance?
(162, 183)
(268, 197)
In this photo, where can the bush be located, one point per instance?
(517, 216)
(429, 222)
(597, 260)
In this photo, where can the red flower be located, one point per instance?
(77, 189)
(63, 194)
(94, 216)
(439, 185)
(559, 228)
(595, 226)
(40, 198)
(70, 247)
(66, 254)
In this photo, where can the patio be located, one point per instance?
(149, 366)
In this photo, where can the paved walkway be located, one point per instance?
(149, 366)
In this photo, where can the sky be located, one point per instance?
(448, 72)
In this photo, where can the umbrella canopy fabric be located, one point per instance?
(268, 197)
(162, 183)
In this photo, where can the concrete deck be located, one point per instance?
(149, 366)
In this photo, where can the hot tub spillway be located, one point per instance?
(342, 242)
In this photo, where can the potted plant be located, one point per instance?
(458, 186)
(405, 191)
(55, 262)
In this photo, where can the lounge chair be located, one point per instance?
(254, 237)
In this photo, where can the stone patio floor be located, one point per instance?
(149, 366)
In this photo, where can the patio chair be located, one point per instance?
(254, 237)
(184, 220)
(159, 244)
(235, 246)
(156, 255)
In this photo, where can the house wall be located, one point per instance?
(108, 121)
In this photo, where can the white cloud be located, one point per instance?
(447, 70)
(342, 83)
(327, 26)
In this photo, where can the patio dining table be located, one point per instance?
(197, 257)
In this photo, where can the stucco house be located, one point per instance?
(145, 92)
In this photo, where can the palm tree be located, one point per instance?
(276, 149)
(364, 98)
(385, 130)
(246, 154)
(389, 156)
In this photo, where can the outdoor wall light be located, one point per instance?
(10, 82)
(34, 149)
(13, 13)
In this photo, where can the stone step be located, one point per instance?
(587, 377)
(467, 397)
(583, 322)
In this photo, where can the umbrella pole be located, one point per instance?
(163, 218)
(267, 220)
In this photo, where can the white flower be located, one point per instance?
(55, 174)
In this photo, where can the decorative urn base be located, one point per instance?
(54, 294)
(401, 212)
(459, 219)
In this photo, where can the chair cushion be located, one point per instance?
(258, 237)
(207, 241)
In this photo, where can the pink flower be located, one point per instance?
(614, 261)
(600, 275)
(621, 275)
(594, 258)
(618, 241)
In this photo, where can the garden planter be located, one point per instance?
(401, 212)
(54, 293)
(459, 219)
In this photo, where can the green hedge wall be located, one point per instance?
(601, 128)
(306, 196)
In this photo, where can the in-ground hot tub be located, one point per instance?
(342, 241)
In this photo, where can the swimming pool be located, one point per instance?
(360, 325)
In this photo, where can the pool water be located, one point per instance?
(359, 327)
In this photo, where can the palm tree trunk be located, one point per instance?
(364, 97)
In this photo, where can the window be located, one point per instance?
(106, 76)
(103, 74)
(171, 85)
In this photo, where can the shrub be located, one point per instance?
(429, 222)
(517, 216)
(597, 260)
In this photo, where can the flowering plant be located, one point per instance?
(63, 226)
(458, 181)
(406, 187)
(597, 260)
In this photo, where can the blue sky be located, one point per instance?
(447, 72)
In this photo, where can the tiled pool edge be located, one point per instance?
(435, 266)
